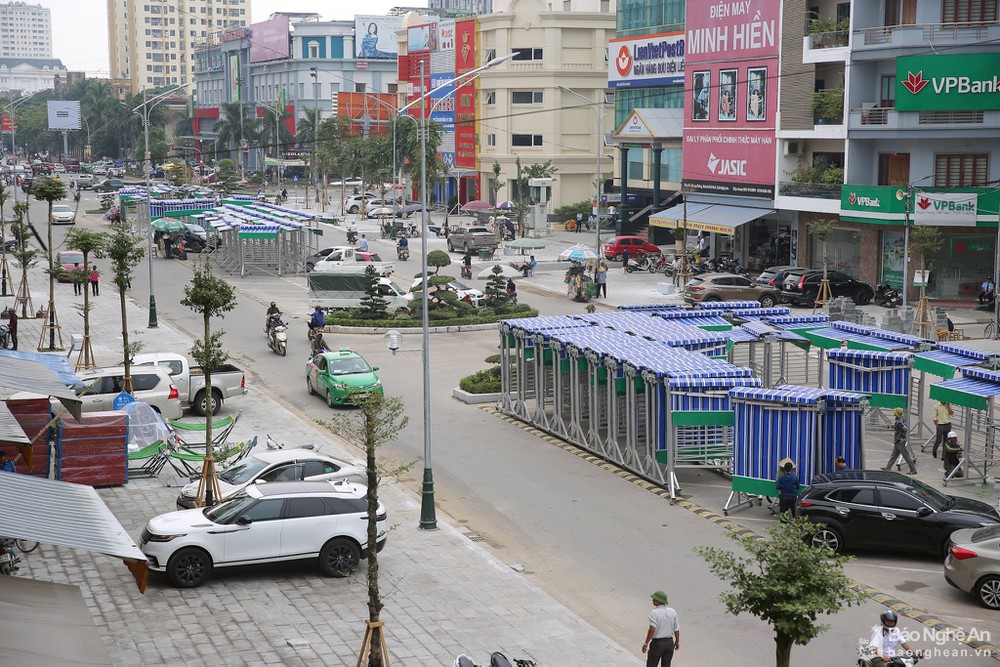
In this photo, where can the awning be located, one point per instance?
(713, 218)
(36, 377)
(10, 429)
(941, 363)
(57, 363)
(67, 515)
(966, 392)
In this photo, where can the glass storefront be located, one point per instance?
(769, 243)
(892, 259)
(961, 264)
(843, 249)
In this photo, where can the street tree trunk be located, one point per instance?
(209, 449)
(782, 650)
(374, 598)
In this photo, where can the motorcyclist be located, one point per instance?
(352, 233)
(319, 344)
(402, 246)
(317, 321)
(271, 311)
(887, 641)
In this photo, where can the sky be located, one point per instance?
(80, 27)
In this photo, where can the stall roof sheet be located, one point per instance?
(984, 374)
(968, 385)
(980, 355)
(729, 305)
(546, 322)
(797, 395)
(682, 382)
(760, 329)
(798, 319)
(866, 357)
(841, 335)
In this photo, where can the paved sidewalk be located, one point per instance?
(443, 594)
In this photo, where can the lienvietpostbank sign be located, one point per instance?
(948, 82)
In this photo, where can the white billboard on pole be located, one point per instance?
(64, 115)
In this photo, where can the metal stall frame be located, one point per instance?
(975, 391)
(943, 362)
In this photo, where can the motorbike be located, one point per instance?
(277, 338)
(497, 659)
(8, 558)
(865, 655)
(352, 237)
(466, 271)
(402, 253)
(887, 296)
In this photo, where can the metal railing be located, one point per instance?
(882, 35)
(810, 190)
(829, 40)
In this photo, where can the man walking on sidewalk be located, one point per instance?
(664, 634)
(942, 421)
(76, 278)
(12, 329)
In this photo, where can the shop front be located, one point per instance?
(966, 221)
(725, 226)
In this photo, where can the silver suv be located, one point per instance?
(150, 384)
(472, 238)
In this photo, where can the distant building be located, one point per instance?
(25, 31)
(153, 45)
(29, 75)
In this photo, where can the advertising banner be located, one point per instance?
(945, 209)
(64, 115)
(465, 126)
(948, 82)
(5, 124)
(269, 40)
(234, 75)
(442, 102)
(649, 61)
(446, 35)
(422, 38)
(892, 259)
(465, 46)
(375, 36)
(730, 73)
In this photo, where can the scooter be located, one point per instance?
(497, 659)
(352, 237)
(866, 654)
(402, 253)
(887, 296)
(8, 558)
(277, 338)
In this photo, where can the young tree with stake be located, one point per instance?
(125, 250)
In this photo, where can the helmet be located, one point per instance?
(273, 303)
(889, 616)
(952, 434)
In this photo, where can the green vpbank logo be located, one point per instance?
(948, 83)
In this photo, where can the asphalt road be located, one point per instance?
(593, 540)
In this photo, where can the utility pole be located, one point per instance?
(315, 161)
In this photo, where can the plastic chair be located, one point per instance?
(221, 428)
(153, 458)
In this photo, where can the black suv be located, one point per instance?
(773, 276)
(801, 288)
(888, 511)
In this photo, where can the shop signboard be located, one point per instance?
(731, 70)
(269, 40)
(443, 102)
(647, 61)
(464, 96)
(872, 203)
(948, 82)
(945, 209)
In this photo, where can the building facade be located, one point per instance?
(153, 44)
(25, 31)
(30, 75)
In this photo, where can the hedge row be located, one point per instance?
(482, 382)
(408, 322)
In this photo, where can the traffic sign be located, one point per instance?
(121, 400)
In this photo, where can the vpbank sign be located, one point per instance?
(945, 209)
(948, 82)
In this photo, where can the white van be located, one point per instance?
(346, 290)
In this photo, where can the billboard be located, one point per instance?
(644, 62)
(375, 36)
(422, 38)
(731, 76)
(948, 82)
(442, 102)
(465, 45)
(446, 34)
(64, 115)
(269, 40)
(464, 96)
(234, 77)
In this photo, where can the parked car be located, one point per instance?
(801, 289)
(973, 563)
(349, 259)
(636, 245)
(152, 385)
(887, 511)
(68, 260)
(472, 239)
(228, 381)
(197, 238)
(353, 203)
(265, 523)
(279, 465)
(341, 377)
(109, 185)
(59, 168)
(100, 170)
(728, 287)
(775, 275)
(462, 290)
(319, 256)
(63, 214)
(85, 181)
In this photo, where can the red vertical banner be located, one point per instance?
(5, 122)
(465, 96)
(465, 45)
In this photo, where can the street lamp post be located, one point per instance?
(277, 155)
(146, 108)
(315, 161)
(428, 513)
(597, 169)
(13, 143)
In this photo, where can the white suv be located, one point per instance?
(353, 204)
(265, 523)
(278, 465)
(150, 384)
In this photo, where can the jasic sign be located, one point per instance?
(948, 82)
(643, 62)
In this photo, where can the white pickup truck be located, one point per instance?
(348, 259)
(228, 381)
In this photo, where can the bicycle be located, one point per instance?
(990, 332)
(26, 546)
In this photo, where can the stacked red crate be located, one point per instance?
(94, 451)
(33, 414)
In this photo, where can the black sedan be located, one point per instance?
(802, 288)
(887, 511)
(109, 185)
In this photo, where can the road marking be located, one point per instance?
(881, 597)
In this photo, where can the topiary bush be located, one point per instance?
(482, 382)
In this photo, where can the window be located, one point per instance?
(526, 97)
(567, 5)
(490, 97)
(491, 140)
(527, 54)
(145, 381)
(345, 505)
(314, 468)
(491, 54)
(286, 473)
(969, 11)
(854, 495)
(359, 87)
(526, 140)
(887, 94)
(265, 510)
(302, 508)
(313, 50)
(896, 499)
(960, 170)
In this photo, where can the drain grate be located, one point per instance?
(476, 537)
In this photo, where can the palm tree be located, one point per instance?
(304, 128)
(230, 129)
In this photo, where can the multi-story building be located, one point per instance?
(25, 31)
(153, 44)
(30, 75)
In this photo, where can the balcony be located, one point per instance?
(875, 117)
(809, 190)
(941, 35)
(826, 47)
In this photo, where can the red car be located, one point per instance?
(66, 259)
(636, 246)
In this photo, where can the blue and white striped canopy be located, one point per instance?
(760, 313)
(651, 306)
(792, 394)
(870, 371)
(728, 305)
(787, 320)
(981, 374)
(760, 329)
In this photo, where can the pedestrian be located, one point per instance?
(839, 464)
(95, 280)
(952, 454)
(788, 490)
(664, 634)
(446, 230)
(12, 328)
(943, 413)
(77, 279)
(700, 246)
(579, 221)
(601, 279)
(363, 244)
(987, 288)
(6, 465)
(168, 246)
(625, 260)
(899, 444)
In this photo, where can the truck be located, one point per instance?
(348, 259)
(342, 290)
(472, 239)
(228, 381)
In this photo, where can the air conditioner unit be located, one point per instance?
(791, 148)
